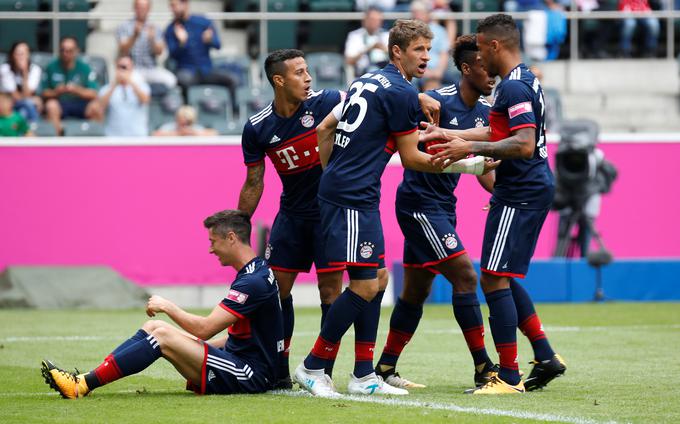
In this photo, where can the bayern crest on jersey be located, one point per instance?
(307, 120)
(268, 251)
(366, 249)
(479, 122)
(450, 241)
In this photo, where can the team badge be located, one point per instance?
(450, 241)
(237, 296)
(366, 249)
(268, 251)
(307, 120)
(479, 122)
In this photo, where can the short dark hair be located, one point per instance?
(405, 31)
(500, 27)
(273, 65)
(225, 221)
(465, 50)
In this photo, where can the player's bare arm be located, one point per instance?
(431, 108)
(252, 189)
(412, 158)
(520, 145)
(487, 181)
(472, 134)
(202, 327)
(324, 134)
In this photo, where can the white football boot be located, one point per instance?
(372, 384)
(316, 382)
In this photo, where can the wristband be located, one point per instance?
(473, 165)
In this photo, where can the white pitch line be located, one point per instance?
(548, 329)
(379, 401)
(455, 408)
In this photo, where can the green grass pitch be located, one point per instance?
(623, 366)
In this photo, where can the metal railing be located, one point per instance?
(263, 16)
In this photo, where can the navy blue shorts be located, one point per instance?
(510, 239)
(295, 243)
(224, 373)
(354, 238)
(73, 108)
(429, 238)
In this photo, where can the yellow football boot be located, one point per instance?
(68, 384)
(496, 386)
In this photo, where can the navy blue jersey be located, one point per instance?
(521, 183)
(257, 337)
(379, 106)
(424, 191)
(292, 147)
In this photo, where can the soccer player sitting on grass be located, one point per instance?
(244, 362)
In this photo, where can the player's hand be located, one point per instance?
(430, 107)
(156, 304)
(490, 164)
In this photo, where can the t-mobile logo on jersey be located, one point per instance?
(288, 156)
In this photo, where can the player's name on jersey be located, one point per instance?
(382, 79)
(341, 140)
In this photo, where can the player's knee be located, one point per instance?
(153, 324)
(466, 281)
(383, 279)
(328, 293)
(163, 334)
(491, 283)
(416, 294)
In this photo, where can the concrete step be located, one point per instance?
(613, 76)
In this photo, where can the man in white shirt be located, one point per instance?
(125, 101)
(366, 47)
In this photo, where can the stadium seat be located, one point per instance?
(238, 66)
(327, 35)
(213, 106)
(327, 70)
(43, 129)
(99, 66)
(75, 28)
(3, 57)
(253, 100)
(82, 128)
(42, 59)
(19, 30)
(162, 109)
(282, 34)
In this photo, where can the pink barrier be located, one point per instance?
(140, 209)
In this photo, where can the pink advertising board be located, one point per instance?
(139, 209)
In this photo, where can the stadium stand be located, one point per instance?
(213, 104)
(162, 108)
(19, 30)
(99, 66)
(44, 129)
(82, 128)
(327, 69)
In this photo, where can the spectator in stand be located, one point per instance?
(451, 25)
(69, 87)
(125, 102)
(650, 23)
(366, 47)
(365, 5)
(189, 39)
(21, 79)
(142, 41)
(12, 124)
(439, 54)
(184, 125)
